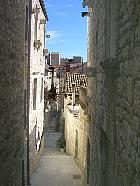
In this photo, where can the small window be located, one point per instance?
(35, 31)
(34, 93)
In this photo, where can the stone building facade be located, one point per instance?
(37, 69)
(114, 92)
(77, 133)
(12, 49)
(76, 122)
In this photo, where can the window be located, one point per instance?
(46, 73)
(35, 31)
(34, 93)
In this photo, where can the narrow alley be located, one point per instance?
(70, 93)
(55, 168)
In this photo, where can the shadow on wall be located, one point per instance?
(36, 148)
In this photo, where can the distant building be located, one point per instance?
(77, 59)
(63, 60)
(70, 65)
(55, 58)
(80, 70)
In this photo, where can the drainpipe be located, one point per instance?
(28, 91)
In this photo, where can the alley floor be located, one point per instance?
(55, 168)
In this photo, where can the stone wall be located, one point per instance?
(76, 135)
(115, 92)
(12, 14)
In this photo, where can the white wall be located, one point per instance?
(37, 66)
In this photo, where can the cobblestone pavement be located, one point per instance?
(55, 168)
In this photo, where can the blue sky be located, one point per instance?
(67, 28)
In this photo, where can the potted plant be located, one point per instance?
(61, 143)
(37, 44)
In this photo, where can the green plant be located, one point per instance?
(61, 142)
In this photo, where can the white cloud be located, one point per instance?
(61, 14)
(55, 37)
(51, 42)
(53, 34)
(50, 5)
(70, 6)
(62, 40)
